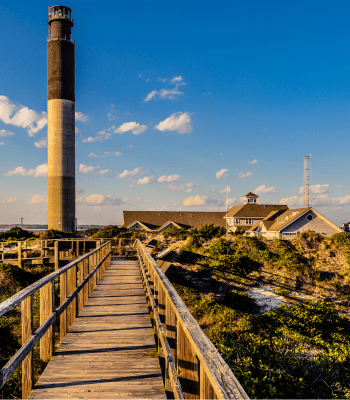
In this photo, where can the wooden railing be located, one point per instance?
(193, 368)
(50, 250)
(76, 281)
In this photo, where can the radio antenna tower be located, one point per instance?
(306, 197)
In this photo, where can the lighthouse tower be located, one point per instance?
(61, 120)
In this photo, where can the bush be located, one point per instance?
(178, 233)
(111, 231)
(16, 233)
(56, 234)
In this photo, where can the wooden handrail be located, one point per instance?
(77, 281)
(201, 370)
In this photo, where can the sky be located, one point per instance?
(181, 105)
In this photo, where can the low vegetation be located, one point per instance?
(300, 349)
(12, 280)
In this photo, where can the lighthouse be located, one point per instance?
(61, 120)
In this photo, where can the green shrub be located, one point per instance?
(111, 231)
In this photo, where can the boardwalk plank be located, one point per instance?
(109, 350)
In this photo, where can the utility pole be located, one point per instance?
(21, 223)
(306, 197)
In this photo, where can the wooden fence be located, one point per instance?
(51, 251)
(193, 368)
(76, 281)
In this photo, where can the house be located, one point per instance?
(292, 222)
(250, 212)
(157, 221)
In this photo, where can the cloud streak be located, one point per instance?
(21, 116)
(134, 127)
(180, 122)
(39, 171)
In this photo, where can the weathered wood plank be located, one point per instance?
(46, 308)
(27, 330)
(109, 351)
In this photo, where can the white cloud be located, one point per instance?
(134, 127)
(264, 189)
(99, 173)
(79, 190)
(180, 122)
(170, 178)
(4, 133)
(195, 201)
(171, 93)
(130, 174)
(79, 116)
(201, 201)
(115, 153)
(188, 187)
(21, 116)
(292, 201)
(39, 171)
(230, 202)
(101, 200)
(2, 143)
(93, 155)
(252, 162)
(77, 130)
(316, 189)
(42, 143)
(151, 95)
(102, 135)
(221, 173)
(85, 169)
(146, 180)
(38, 199)
(247, 175)
(227, 189)
(12, 200)
(176, 79)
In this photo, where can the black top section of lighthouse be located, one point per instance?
(60, 54)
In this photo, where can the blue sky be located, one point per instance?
(177, 100)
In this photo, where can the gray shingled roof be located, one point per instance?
(184, 218)
(251, 210)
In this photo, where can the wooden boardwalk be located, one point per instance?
(109, 351)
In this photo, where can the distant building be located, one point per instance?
(157, 221)
(292, 222)
(248, 214)
(346, 227)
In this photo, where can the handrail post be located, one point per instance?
(187, 364)
(46, 308)
(27, 330)
(41, 252)
(71, 286)
(2, 252)
(85, 274)
(63, 296)
(57, 255)
(25, 254)
(19, 247)
(80, 276)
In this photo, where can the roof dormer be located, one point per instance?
(250, 198)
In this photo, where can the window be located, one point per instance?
(248, 221)
(309, 217)
(237, 221)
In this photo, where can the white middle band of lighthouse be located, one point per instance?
(61, 137)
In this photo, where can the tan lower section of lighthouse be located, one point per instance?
(61, 165)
